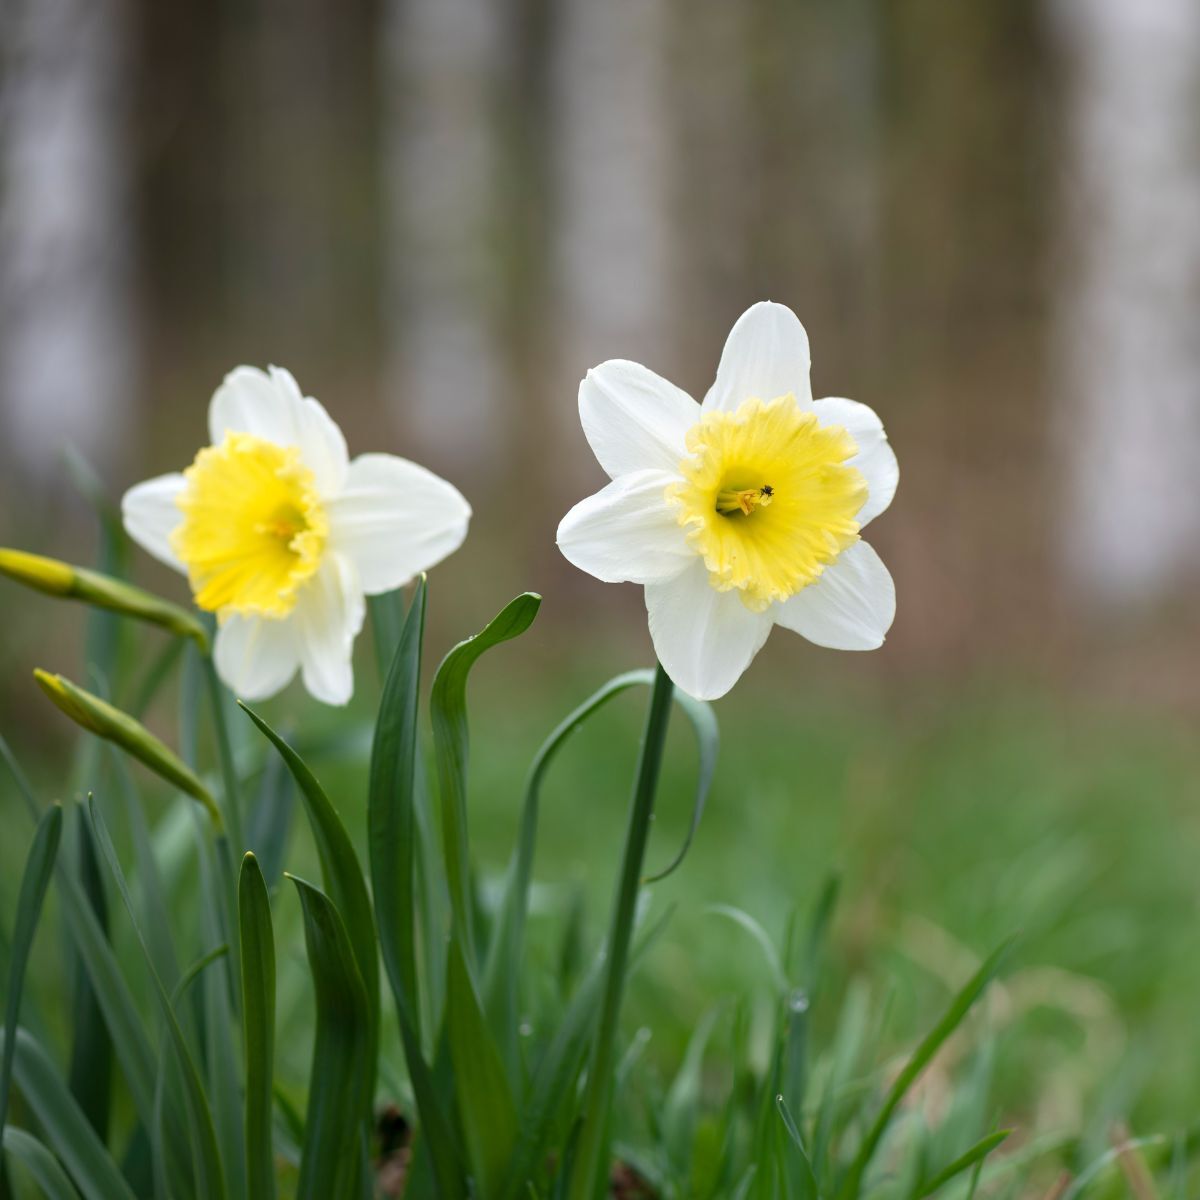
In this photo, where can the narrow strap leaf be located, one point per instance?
(39, 865)
(390, 810)
(210, 1177)
(258, 1026)
(448, 714)
(951, 1019)
(342, 874)
(972, 1158)
(341, 1068)
(40, 1163)
(69, 1131)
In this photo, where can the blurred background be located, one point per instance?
(439, 213)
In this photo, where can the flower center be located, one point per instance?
(253, 526)
(767, 498)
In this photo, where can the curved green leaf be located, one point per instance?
(335, 1125)
(342, 873)
(448, 715)
(951, 1019)
(964, 1162)
(390, 823)
(210, 1178)
(258, 1026)
(556, 1073)
(68, 1130)
(505, 950)
(38, 867)
(40, 1163)
(485, 1100)
(703, 721)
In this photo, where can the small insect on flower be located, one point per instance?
(282, 536)
(738, 514)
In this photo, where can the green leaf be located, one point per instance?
(270, 819)
(155, 910)
(221, 1016)
(258, 1026)
(90, 1072)
(46, 1170)
(964, 1162)
(210, 1180)
(448, 715)
(760, 935)
(485, 1101)
(335, 1125)
(553, 1086)
(68, 1130)
(808, 1182)
(704, 723)
(343, 878)
(106, 721)
(506, 949)
(390, 806)
(39, 864)
(387, 620)
(951, 1019)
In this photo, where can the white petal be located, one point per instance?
(395, 519)
(875, 458)
(633, 419)
(627, 532)
(329, 613)
(151, 515)
(704, 639)
(271, 407)
(851, 606)
(766, 355)
(256, 657)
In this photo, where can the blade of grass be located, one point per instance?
(448, 715)
(210, 1180)
(92, 1036)
(552, 1088)
(807, 1180)
(951, 1019)
(340, 1075)
(964, 1162)
(343, 878)
(270, 819)
(390, 820)
(46, 1170)
(258, 1026)
(39, 865)
(485, 1101)
(68, 1129)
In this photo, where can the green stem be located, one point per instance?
(230, 841)
(590, 1156)
(229, 780)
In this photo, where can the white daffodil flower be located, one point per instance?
(740, 513)
(282, 536)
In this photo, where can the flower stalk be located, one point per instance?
(590, 1156)
(55, 578)
(104, 720)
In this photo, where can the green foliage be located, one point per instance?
(499, 1035)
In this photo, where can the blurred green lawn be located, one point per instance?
(953, 819)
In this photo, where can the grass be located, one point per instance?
(952, 822)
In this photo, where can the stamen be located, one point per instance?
(743, 500)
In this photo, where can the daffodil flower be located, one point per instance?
(282, 536)
(740, 513)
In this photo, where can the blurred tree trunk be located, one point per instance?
(447, 383)
(615, 164)
(1128, 355)
(68, 335)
